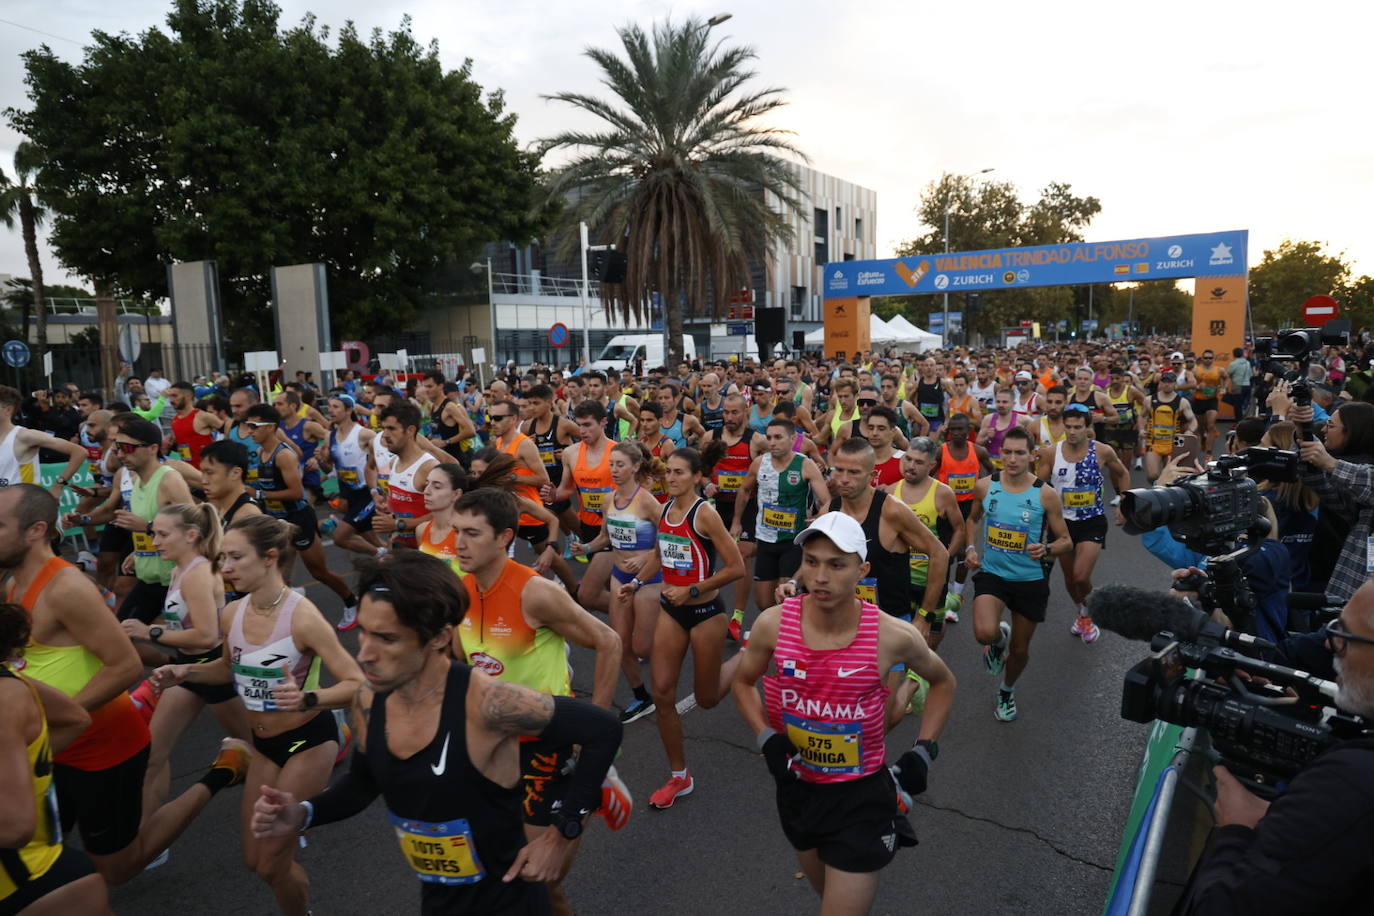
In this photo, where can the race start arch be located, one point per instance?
(1217, 259)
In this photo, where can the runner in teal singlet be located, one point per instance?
(1018, 513)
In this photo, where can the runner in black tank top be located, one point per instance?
(438, 428)
(891, 571)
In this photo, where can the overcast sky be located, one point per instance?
(1179, 117)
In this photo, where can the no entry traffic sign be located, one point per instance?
(558, 334)
(1318, 310)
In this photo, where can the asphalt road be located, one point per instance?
(1021, 817)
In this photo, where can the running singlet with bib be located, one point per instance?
(733, 467)
(627, 530)
(95, 460)
(527, 490)
(269, 480)
(829, 703)
(1078, 483)
(188, 442)
(926, 511)
(886, 567)
(149, 565)
(1208, 382)
(445, 549)
(686, 557)
(385, 460)
(350, 461)
(404, 500)
(713, 418)
(959, 476)
(1163, 425)
(594, 484)
(497, 639)
(1012, 522)
(986, 396)
(550, 449)
(1125, 409)
(458, 831)
(297, 435)
(117, 730)
(782, 497)
(1047, 435)
(930, 401)
(11, 471)
(32, 860)
(838, 420)
(673, 433)
(259, 668)
(176, 616)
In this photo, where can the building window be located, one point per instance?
(859, 230)
(822, 235)
(798, 301)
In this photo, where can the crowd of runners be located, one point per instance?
(818, 526)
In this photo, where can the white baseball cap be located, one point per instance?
(1023, 374)
(847, 534)
(1176, 355)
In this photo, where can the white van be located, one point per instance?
(624, 349)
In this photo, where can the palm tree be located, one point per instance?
(20, 200)
(681, 175)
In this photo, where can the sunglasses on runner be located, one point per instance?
(258, 424)
(867, 402)
(128, 448)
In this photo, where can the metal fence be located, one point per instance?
(81, 366)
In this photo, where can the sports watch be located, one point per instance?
(694, 591)
(932, 747)
(569, 826)
(154, 634)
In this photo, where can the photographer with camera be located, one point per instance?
(1310, 849)
(1341, 472)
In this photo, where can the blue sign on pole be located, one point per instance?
(737, 328)
(558, 334)
(16, 353)
(1211, 254)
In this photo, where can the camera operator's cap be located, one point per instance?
(1023, 376)
(843, 531)
(1176, 355)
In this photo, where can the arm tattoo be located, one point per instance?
(516, 710)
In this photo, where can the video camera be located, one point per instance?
(1208, 511)
(1297, 345)
(1263, 732)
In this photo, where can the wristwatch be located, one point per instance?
(61, 480)
(154, 634)
(311, 699)
(694, 591)
(400, 524)
(569, 826)
(636, 583)
(932, 747)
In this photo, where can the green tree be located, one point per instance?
(226, 138)
(1157, 306)
(984, 214)
(20, 200)
(1287, 276)
(680, 172)
(19, 295)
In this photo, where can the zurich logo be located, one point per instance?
(941, 281)
(1175, 251)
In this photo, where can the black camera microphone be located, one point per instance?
(1139, 615)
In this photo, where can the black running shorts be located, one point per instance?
(774, 561)
(854, 826)
(1088, 530)
(106, 804)
(1029, 599)
(281, 748)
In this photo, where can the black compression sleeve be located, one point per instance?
(349, 794)
(598, 732)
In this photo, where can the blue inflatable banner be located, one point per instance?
(1209, 254)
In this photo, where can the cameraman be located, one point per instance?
(1311, 849)
(1342, 474)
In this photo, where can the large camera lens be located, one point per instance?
(1147, 509)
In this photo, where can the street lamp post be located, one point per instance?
(476, 267)
(944, 331)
